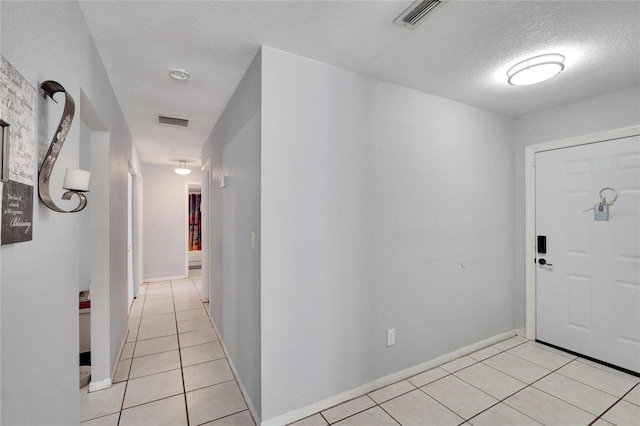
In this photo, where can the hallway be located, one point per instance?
(172, 370)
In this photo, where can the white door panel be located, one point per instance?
(588, 295)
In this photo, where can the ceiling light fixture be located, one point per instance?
(535, 70)
(179, 74)
(182, 168)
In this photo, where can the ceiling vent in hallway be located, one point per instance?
(411, 17)
(173, 121)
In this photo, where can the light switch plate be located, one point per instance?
(391, 337)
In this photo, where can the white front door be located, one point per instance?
(588, 292)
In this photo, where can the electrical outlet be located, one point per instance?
(391, 337)
(252, 240)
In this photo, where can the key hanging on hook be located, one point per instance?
(604, 199)
(603, 202)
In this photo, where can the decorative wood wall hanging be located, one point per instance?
(17, 155)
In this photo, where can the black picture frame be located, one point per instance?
(4, 151)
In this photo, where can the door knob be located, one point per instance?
(544, 262)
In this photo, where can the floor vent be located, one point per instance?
(173, 121)
(414, 13)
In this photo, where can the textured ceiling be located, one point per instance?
(461, 51)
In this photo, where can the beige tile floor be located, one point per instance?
(512, 383)
(173, 371)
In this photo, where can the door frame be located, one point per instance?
(130, 253)
(205, 209)
(136, 229)
(530, 207)
(188, 186)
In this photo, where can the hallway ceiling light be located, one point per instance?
(179, 74)
(182, 168)
(535, 70)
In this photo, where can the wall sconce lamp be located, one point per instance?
(75, 181)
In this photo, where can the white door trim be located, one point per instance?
(130, 246)
(530, 208)
(205, 289)
(187, 186)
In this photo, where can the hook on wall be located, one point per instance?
(75, 181)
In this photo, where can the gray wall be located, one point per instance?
(234, 151)
(39, 281)
(164, 220)
(372, 195)
(608, 112)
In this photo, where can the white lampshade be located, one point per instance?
(76, 180)
(535, 70)
(182, 168)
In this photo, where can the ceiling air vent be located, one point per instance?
(414, 14)
(173, 121)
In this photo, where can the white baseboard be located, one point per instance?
(115, 364)
(301, 413)
(252, 409)
(107, 383)
(98, 386)
(153, 280)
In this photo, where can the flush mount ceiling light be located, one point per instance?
(182, 168)
(179, 74)
(535, 70)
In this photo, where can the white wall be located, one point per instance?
(39, 282)
(234, 151)
(84, 250)
(372, 194)
(607, 112)
(164, 220)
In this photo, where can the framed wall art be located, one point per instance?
(18, 155)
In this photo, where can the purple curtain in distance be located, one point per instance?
(195, 224)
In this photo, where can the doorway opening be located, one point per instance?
(194, 227)
(132, 237)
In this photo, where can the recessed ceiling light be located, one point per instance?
(535, 70)
(182, 168)
(179, 74)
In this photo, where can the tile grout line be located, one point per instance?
(350, 415)
(180, 355)
(530, 385)
(415, 387)
(558, 398)
(619, 398)
(613, 405)
(184, 387)
(499, 401)
(389, 414)
(235, 379)
(129, 372)
(527, 385)
(126, 382)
